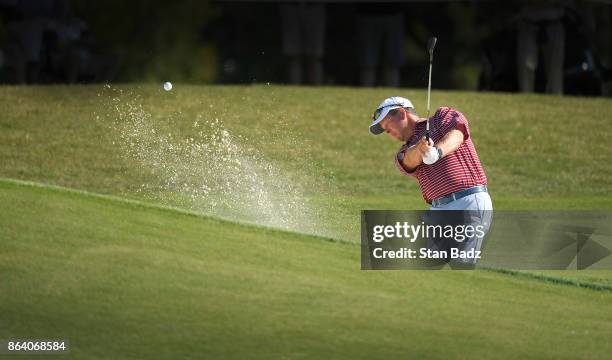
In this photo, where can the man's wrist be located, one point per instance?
(440, 152)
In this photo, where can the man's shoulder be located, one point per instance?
(447, 110)
(447, 113)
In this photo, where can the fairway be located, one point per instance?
(100, 246)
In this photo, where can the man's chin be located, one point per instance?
(398, 137)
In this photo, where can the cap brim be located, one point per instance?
(375, 127)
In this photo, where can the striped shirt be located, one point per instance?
(456, 171)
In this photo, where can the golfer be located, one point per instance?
(446, 166)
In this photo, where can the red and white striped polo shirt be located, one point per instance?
(456, 171)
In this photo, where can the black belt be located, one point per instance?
(458, 195)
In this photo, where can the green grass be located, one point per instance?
(123, 280)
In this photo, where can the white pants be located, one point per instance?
(478, 211)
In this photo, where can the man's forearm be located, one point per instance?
(412, 159)
(450, 142)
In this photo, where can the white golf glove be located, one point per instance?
(432, 155)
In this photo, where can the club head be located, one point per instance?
(431, 43)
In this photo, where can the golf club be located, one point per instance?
(431, 43)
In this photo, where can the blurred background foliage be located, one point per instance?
(156, 39)
(240, 42)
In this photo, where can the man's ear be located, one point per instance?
(405, 113)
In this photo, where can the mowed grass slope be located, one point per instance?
(127, 281)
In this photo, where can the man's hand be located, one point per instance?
(429, 153)
(432, 155)
(423, 146)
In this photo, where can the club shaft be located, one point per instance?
(429, 94)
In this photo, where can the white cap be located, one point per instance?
(383, 109)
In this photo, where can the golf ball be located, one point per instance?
(167, 86)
